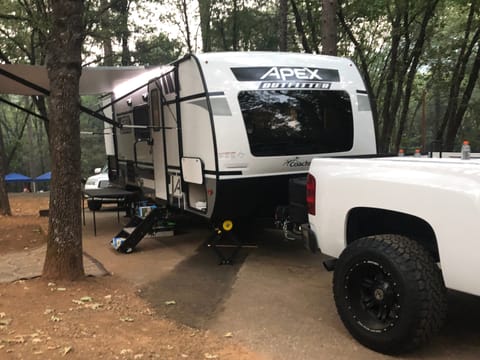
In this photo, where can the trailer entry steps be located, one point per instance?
(136, 229)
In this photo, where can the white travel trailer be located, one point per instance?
(221, 134)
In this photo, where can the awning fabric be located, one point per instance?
(44, 177)
(15, 177)
(17, 78)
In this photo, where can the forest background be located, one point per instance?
(420, 60)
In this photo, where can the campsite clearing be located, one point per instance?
(101, 317)
(169, 297)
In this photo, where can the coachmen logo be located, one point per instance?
(293, 163)
(288, 77)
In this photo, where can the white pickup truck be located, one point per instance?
(400, 232)
(98, 181)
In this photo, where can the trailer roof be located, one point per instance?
(22, 79)
(258, 58)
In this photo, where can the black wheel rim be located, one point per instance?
(372, 296)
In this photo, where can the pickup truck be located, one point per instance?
(400, 231)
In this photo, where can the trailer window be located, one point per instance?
(140, 119)
(155, 108)
(295, 122)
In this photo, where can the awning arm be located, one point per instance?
(28, 111)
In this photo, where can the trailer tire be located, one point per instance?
(94, 205)
(389, 293)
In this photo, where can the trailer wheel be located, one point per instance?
(94, 205)
(389, 293)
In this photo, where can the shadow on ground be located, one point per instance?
(195, 289)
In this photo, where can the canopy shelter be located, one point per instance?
(44, 177)
(16, 177)
(18, 182)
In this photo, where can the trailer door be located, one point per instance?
(158, 147)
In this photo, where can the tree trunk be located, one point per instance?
(283, 25)
(9, 157)
(125, 33)
(235, 34)
(39, 144)
(364, 68)
(457, 119)
(205, 17)
(329, 27)
(300, 28)
(39, 102)
(64, 259)
(107, 39)
(30, 152)
(312, 25)
(184, 9)
(413, 62)
(4, 202)
(451, 119)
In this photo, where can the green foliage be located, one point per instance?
(23, 30)
(25, 141)
(243, 27)
(377, 27)
(157, 50)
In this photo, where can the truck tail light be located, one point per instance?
(311, 194)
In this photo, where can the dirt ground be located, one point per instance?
(96, 318)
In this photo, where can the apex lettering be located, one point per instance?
(285, 74)
(289, 74)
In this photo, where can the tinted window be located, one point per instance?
(140, 118)
(155, 106)
(294, 122)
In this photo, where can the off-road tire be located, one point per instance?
(389, 293)
(94, 205)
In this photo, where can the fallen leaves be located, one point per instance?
(77, 323)
(210, 356)
(87, 303)
(55, 318)
(4, 321)
(127, 319)
(66, 350)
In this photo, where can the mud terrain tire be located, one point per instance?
(389, 293)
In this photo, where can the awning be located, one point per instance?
(22, 79)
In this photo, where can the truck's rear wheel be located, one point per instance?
(389, 293)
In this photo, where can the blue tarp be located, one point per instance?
(15, 177)
(44, 177)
